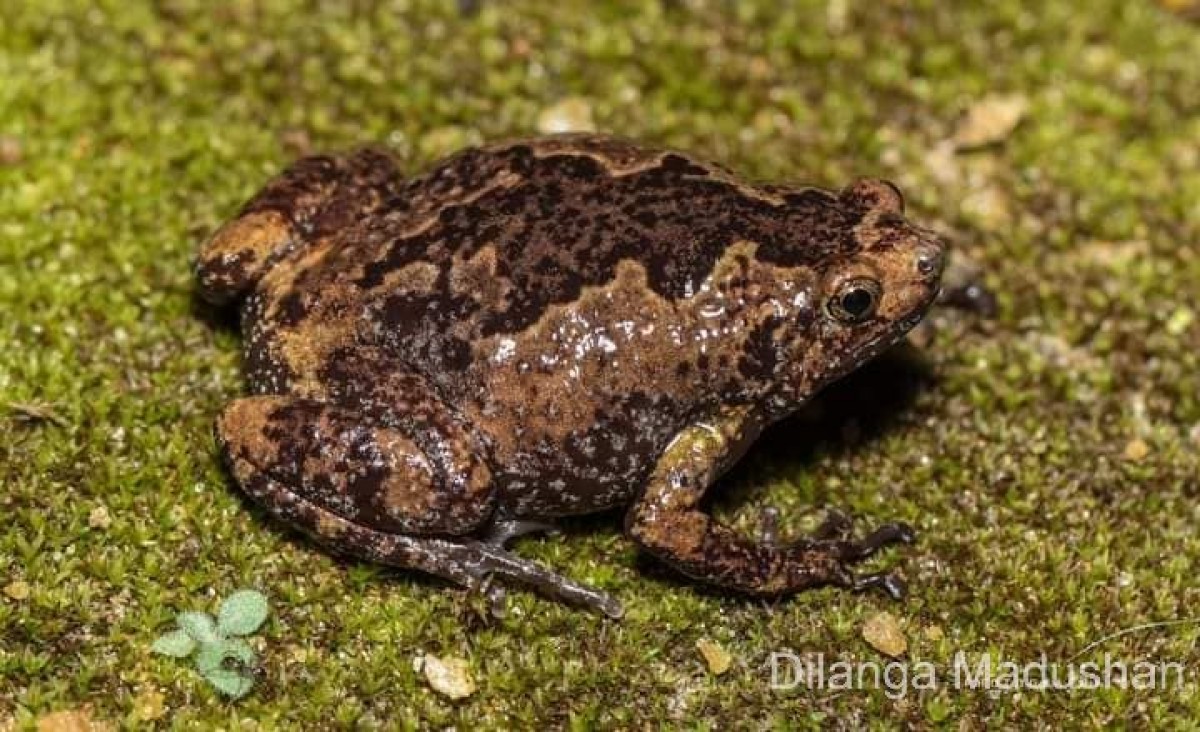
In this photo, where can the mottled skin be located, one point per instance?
(546, 328)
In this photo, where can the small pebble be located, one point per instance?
(572, 114)
(715, 656)
(99, 518)
(1180, 321)
(1136, 450)
(883, 632)
(72, 720)
(17, 590)
(149, 705)
(450, 677)
(10, 150)
(297, 141)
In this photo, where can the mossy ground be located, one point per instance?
(1049, 457)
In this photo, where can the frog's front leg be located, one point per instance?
(666, 520)
(402, 490)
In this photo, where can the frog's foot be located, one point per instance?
(315, 195)
(821, 559)
(501, 531)
(486, 563)
(833, 535)
(849, 551)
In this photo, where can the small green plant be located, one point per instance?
(223, 656)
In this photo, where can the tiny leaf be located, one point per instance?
(199, 626)
(177, 644)
(242, 612)
(232, 684)
(212, 656)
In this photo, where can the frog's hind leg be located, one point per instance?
(467, 563)
(373, 491)
(315, 194)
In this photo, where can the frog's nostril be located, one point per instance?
(930, 262)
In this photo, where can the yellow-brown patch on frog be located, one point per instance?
(245, 423)
(685, 533)
(622, 338)
(478, 278)
(617, 156)
(306, 349)
(622, 158)
(418, 277)
(239, 249)
(407, 487)
(304, 341)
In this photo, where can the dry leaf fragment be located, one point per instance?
(990, 120)
(450, 677)
(715, 656)
(883, 632)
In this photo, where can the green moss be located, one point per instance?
(129, 132)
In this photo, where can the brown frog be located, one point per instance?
(546, 328)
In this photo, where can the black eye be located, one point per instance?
(855, 300)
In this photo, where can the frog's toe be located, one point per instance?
(493, 592)
(896, 532)
(890, 583)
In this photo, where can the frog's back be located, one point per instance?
(486, 243)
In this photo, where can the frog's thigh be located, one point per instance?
(379, 477)
(284, 214)
(667, 522)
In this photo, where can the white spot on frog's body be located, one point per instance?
(504, 350)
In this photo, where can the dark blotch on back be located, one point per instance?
(567, 223)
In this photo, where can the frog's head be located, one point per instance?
(869, 293)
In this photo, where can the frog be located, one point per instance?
(547, 327)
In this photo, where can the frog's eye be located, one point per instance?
(855, 300)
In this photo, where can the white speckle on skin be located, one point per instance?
(504, 350)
